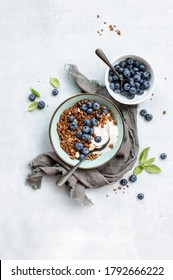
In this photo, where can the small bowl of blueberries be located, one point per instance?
(139, 77)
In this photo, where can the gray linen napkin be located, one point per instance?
(49, 163)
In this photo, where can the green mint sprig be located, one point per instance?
(146, 164)
(54, 82)
(36, 93)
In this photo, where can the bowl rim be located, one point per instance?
(132, 101)
(83, 94)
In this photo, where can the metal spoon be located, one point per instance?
(65, 177)
(103, 57)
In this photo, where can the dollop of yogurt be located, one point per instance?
(109, 130)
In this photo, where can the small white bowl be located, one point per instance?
(138, 98)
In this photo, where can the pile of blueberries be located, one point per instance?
(88, 129)
(137, 75)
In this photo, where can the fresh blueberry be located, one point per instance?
(122, 64)
(111, 72)
(123, 182)
(41, 104)
(141, 81)
(126, 73)
(130, 96)
(117, 85)
(89, 111)
(126, 86)
(132, 90)
(110, 79)
(115, 77)
(89, 104)
(117, 67)
(137, 84)
(87, 122)
(135, 63)
(141, 73)
(32, 97)
(133, 178)
(140, 91)
(138, 73)
(137, 78)
(96, 106)
(121, 69)
(142, 67)
(163, 156)
(117, 91)
(71, 118)
(148, 117)
(54, 91)
(79, 134)
(132, 72)
(129, 61)
(97, 115)
(79, 146)
(129, 67)
(146, 85)
(85, 151)
(91, 131)
(86, 129)
(136, 69)
(132, 84)
(143, 112)
(123, 93)
(112, 86)
(84, 107)
(81, 157)
(105, 111)
(94, 121)
(73, 126)
(86, 137)
(98, 139)
(140, 196)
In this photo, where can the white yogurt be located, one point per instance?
(109, 130)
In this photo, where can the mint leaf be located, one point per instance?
(35, 92)
(149, 161)
(144, 155)
(138, 169)
(153, 169)
(32, 106)
(54, 82)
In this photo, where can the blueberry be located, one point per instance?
(41, 104)
(123, 93)
(105, 111)
(89, 104)
(84, 107)
(89, 111)
(117, 85)
(141, 81)
(96, 106)
(73, 125)
(87, 122)
(32, 97)
(86, 137)
(79, 146)
(110, 79)
(142, 67)
(130, 96)
(136, 69)
(129, 67)
(137, 85)
(117, 67)
(71, 118)
(79, 134)
(111, 72)
(86, 129)
(133, 178)
(81, 157)
(121, 69)
(163, 156)
(137, 78)
(91, 131)
(98, 139)
(132, 90)
(138, 73)
(126, 86)
(97, 115)
(129, 61)
(135, 63)
(146, 85)
(140, 196)
(122, 64)
(132, 84)
(85, 151)
(148, 117)
(143, 112)
(132, 72)
(140, 91)
(54, 91)
(115, 77)
(117, 91)
(112, 86)
(94, 121)
(126, 73)
(123, 182)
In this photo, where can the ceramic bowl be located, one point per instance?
(55, 141)
(138, 98)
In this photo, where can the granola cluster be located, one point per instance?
(68, 135)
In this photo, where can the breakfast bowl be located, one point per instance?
(65, 130)
(140, 75)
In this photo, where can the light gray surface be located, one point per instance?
(37, 39)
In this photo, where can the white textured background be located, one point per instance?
(37, 38)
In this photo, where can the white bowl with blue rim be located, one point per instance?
(54, 137)
(138, 98)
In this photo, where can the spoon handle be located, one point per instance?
(67, 175)
(103, 57)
